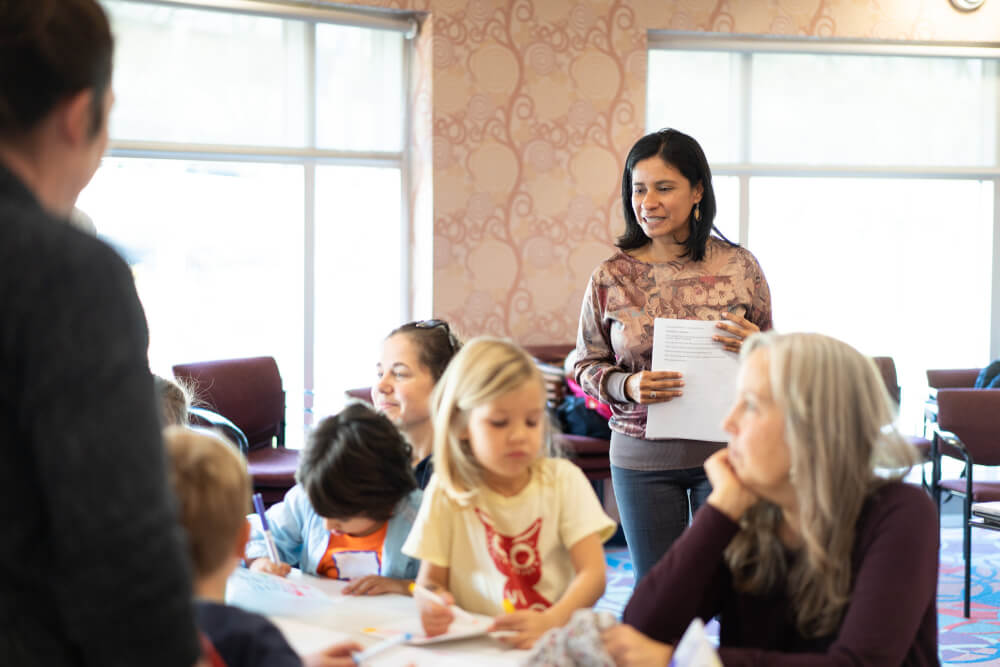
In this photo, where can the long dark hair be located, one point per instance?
(683, 153)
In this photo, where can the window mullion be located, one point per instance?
(993, 71)
(406, 263)
(309, 232)
(746, 128)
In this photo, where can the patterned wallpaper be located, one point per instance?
(524, 112)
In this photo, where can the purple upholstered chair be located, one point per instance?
(887, 367)
(968, 429)
(590, 454)
(363, 394)
(943, 378)
(249, 393)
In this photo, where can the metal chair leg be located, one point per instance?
(936, 471)
(967, 552)
(967, 534)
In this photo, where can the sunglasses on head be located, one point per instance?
(438, 324)
(432, 324)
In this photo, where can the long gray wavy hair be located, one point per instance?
(838, 425)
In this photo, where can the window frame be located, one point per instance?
(311, 156)
(745, 168)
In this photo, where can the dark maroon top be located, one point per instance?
(890, 620)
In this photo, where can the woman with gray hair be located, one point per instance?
(809, 555)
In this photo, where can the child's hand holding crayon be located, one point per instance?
(269, 566)
(436, 611)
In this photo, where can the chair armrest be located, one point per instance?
(229, 429)
(950, 445)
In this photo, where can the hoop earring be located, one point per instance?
(697, 212)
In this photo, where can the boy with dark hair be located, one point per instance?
(212, 485)
(352, 509)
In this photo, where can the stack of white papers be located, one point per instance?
(710, 373)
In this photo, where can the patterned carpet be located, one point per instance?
(962, 641)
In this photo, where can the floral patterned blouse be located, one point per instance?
(625, 295)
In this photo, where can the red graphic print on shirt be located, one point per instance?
(518, 558)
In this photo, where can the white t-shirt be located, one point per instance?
(514, 548)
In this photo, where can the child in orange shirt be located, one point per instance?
(352, 509)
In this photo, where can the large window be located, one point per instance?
(255, 183)
(863, 177)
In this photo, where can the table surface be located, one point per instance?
(323, 622)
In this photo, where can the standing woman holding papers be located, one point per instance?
(668, 266)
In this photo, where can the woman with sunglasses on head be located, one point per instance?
(414, 357)
(669, 265)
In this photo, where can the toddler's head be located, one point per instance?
(356, 469)
(490, 423)
(210, 479)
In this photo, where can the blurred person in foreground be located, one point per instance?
(92, 569)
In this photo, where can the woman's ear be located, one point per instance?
(699, 192)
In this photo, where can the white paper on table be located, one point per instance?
(695, 649)
(270, 594)
(432, 656)
(709, 380)
(465, 625)
(307, 638)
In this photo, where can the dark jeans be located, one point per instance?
(655, 507)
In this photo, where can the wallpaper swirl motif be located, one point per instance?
(528, 141)
(525, 110)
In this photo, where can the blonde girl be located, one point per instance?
(503, 526)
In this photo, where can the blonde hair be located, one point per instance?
(175, 401)
(210, 479)
(838, 425)
(483, 370)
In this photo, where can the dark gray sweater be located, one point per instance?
(92, 567)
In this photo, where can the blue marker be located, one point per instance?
(372, 651)
(272, 551)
